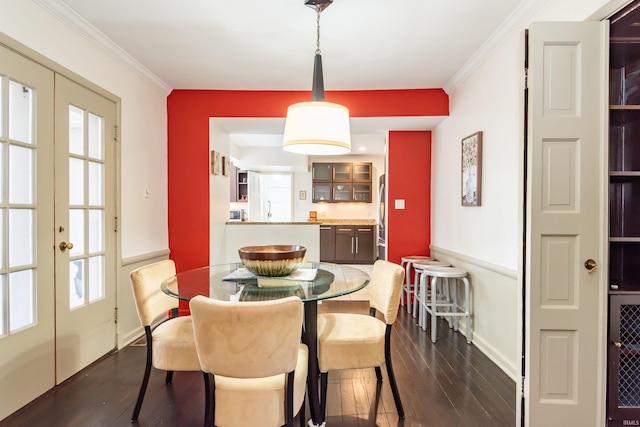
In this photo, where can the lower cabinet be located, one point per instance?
(351, 244)
(327, 243)
(624, 360)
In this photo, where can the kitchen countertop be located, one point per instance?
(271, 223)
(318, 222)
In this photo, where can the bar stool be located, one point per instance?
(408, 288)
(442, 301)
(421, 285)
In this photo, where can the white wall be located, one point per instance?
(219, 195)
(143, 147)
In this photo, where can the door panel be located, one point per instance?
(567, 222)
(26, 225)
(85, 208)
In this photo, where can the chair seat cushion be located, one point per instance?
(174, 347)
(249, 401)
(348, 341)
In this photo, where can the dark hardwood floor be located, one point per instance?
(449, 383)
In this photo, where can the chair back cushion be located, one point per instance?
(150, 301)
(385, 287)
(247, 339)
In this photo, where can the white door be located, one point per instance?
(84, 228)
(566, 210)
(27, 340)
(277, 198)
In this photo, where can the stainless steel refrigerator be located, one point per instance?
(382, 225)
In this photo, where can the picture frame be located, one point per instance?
(471, 172)
(215, 162)
(226, 166)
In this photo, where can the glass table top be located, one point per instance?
(226, 283)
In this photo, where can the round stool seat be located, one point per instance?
(443, 271)
(429, 263)
(412, 258)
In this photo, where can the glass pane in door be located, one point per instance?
(76, 130)
(20, 112)
(21, 174)
(3, 328)
(21, 299)
(76, 283)
(96, 276)
(21, 237)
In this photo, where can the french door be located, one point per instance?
(84, 213)
(57, 244)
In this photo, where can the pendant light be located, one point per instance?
(317, 127)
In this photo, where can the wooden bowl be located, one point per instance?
(273, 260)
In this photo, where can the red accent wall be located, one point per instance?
(409, 178)
(188, 148)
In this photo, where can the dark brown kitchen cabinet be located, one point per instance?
(327, 243)
(342, 182)
(355, 244)
(239, 191)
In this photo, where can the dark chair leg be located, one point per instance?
(145, 378)
(207, 399)
(378, 373)
(288, 400)
(324, 383)
(169, 377)
(302, 414)
(392, 377)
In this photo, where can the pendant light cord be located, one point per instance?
(318, 30)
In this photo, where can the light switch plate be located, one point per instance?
(399, 203)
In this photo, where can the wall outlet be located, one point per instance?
(399, 203)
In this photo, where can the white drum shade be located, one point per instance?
(317, 128)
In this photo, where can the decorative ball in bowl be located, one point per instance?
(273, 260)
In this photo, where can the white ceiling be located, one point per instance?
(270, 45)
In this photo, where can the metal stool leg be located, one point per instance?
(434, 316)
(467, 302)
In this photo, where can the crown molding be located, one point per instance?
(96, 37)
(514, 23)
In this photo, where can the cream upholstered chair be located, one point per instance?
(351, 341)
(170, 345)
(258, 364)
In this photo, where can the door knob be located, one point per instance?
(590, 265)
(65, 245)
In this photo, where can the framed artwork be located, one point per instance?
(472, 169)
(215, 162)
(225, 165)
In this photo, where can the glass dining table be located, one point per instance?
(314, 282)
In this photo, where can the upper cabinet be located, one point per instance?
(239, 190)
(624, 155)
(342, 182)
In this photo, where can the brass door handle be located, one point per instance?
(590, 265)
(617, 344)
(65, 245)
